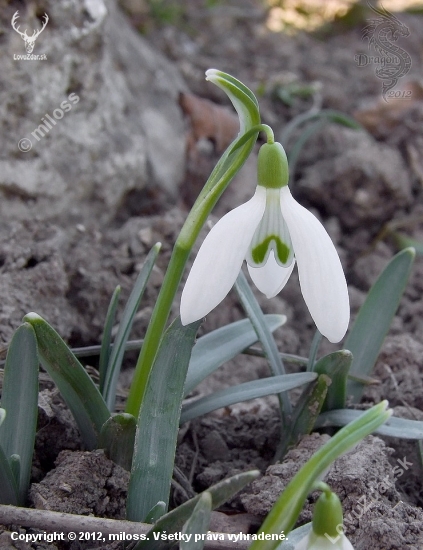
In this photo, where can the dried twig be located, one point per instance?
(58, 522)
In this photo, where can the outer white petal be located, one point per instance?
(322, 278)
(220, 258)
(271, 278)
(316, 542)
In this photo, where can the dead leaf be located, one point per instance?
(208, 121)
(381, 117)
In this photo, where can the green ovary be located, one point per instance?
(259, 252)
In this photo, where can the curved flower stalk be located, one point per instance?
(231, 161)
(272, 232)
(326, 532)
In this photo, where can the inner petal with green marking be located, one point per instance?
(271, 234)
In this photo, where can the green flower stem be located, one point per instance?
(223, 173)
(156, 328)
(285, 512)
(322, 486)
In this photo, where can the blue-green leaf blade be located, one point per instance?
(77, 388)
(221, 345)
(375, 316)
(330, 115)
(197, 524)
(156, 512)
(117, 438)
(20, 400)
(306, 411)
(173, 521)
(256, 316)
(336, 365)
(158, 422)
(125, 325)
(404, 241)
(401, 428)
(9, 493)
(244, 392)
(105, 349)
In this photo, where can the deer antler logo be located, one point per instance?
(29, 40)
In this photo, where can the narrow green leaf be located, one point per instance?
(15, 466)
(375, 317)
(198, 523)
(401, 428)
(9, 493)
(158, 422)
(314, 348)
(221, 345)
(305, 413)
(117, 438)
(20, 400)
(89, 351)
(336, 365)
(404, 241)
(125, 325)
(330, 115)
(288, 357)
(294, 152)
(256, 316)
(285, 512)
(77, 389)
(173, 521)
(317, 120)
(105, 348)
(156, 512)
(364, 380)
(244, 392)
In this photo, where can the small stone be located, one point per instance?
(146, 236)
(214, 447)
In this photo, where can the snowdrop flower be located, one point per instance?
(272, 232)
(319, 542)
(327, 531)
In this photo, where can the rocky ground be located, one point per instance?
(65, 262)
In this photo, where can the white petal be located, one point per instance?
(220, 258)
(322, 278)
(318, 542)
(303, 544)
(271, 278)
